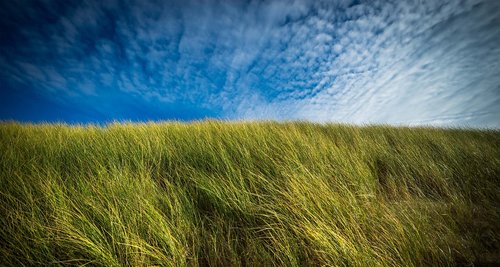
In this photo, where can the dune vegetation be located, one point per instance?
(216, 193)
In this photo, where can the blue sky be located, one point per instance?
(421, 62)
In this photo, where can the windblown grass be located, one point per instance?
(255, 194)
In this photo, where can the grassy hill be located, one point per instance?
(255, 194)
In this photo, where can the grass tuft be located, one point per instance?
(248, 194)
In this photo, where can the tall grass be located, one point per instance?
(256, 194)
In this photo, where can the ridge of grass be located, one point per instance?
(254, 194)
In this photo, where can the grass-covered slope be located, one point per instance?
(255, 194)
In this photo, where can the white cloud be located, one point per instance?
(402, 62)
(426, 67)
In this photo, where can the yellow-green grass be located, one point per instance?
(254, 194)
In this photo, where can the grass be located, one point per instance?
(256, 194)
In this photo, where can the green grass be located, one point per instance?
(254, 194)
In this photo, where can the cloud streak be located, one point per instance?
(402, 62)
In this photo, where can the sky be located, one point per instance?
(418, 62)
